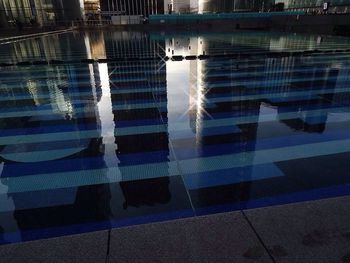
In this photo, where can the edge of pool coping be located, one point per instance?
(97, 246)
(337, 191)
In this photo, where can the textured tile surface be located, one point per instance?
(89, 247)
(216, 238)
(317, 231)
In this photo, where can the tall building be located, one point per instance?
(179, 6)
(217, 6)
(132, 7)
(147, 7)
(3, 18)
(92, 9)
(41, 12)
(222, 6)
(341, 5)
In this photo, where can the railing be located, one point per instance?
(93, 23)
(175, 18)
(117, 20)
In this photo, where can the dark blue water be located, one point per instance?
(93, 146)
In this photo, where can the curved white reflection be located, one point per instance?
(7, 204)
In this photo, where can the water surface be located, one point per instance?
(92, 146)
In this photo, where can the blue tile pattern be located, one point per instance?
(90, 146)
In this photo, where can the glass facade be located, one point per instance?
(217, 6)
(312, 3)
(222, 6)
(40, 12)
(132, 7)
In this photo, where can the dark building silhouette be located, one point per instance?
(63, 90)
(40, 12)
(224, 6)
(133, 7)
(151, 78)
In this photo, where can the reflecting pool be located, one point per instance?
(108, 129)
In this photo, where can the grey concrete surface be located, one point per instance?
(216, 238)
(89, 247)
(316, 231)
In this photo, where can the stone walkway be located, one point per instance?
(316, 231)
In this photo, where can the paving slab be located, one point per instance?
(316, 231)
(215, 238)
(88, 247)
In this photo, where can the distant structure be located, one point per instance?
(181, 6)
(131, 7)
(334, 6)
(92, 9)
(3, 18)
(216, 6)
(150, 7)
(226, 6)
(39, 12)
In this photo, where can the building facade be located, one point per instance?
(41, 12)
(334, 5)
(149, 7)
(225, 6)
(132, 7)
(216, 6)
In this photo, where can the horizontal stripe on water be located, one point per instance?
(212, 98)
(202, 150)
(198, 165)
(190, 166)
(188, 133)
(115, 75)
(86, 163)
(87, 103)
(182, 153)
(211, 66)
(44, 112)
(88, 177)
(145, 129)
(78, 95)
(80, 134)
(49, 129)
(36, 156)
(231, 176)
(267, 82)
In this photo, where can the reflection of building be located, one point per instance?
(210, 80)
(133, 85)
(234, 101)
(323, 79)
(46, 48)
(51, 88)
(54, 100)
(95, 45)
